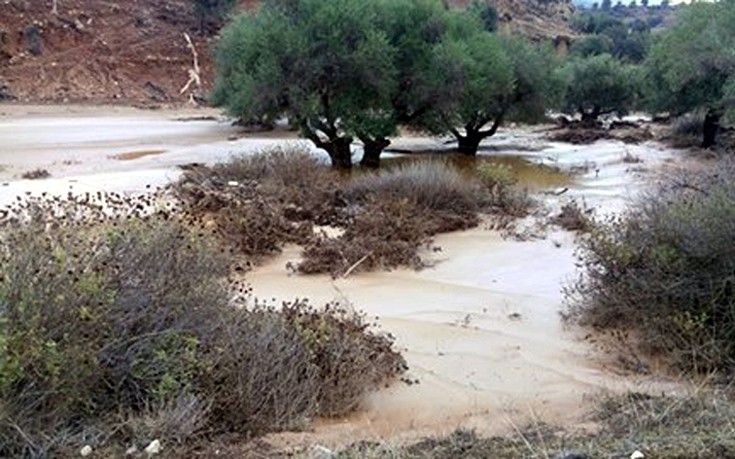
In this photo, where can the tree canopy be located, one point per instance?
(692, 65)
(482, 80)
(324, 63)
(354, 69)
(598, 85)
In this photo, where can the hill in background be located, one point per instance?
(96, 51)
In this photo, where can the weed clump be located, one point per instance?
(36, 174)
(664, 272)
(575, 217)
(261, 202)
(120, 324)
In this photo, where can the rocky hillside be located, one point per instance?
(135, 52)
(532, 18)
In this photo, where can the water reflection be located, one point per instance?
(530, 175)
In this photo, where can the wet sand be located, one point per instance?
(481, 329)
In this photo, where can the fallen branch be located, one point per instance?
(194, 72)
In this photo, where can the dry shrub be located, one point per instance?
(351, 359)
(692, 426)
(664, 271)
(449, 200)
(383, 235)
(390, 215)
(503, 197)
(687, 130)
(575, 217)
(36, 174)
(119, 325)
(261, 201)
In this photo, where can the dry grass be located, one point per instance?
(575, 217)
(694, 426)
(263, 201)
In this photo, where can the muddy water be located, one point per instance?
(480, 329)
(531, 175)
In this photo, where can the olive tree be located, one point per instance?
(598, 85)
(480, 80)
(323, 63)
(691, 66)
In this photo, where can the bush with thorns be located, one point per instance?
(120, 324)
(665, 272)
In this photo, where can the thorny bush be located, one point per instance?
(665, 272)
(120, 323)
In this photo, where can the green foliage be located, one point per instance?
(475, 76)
(346, 69)
(692, 64)
(599, 85)
(594, 45)
(326, 64)
(480, 80)
(665, 272)
(611, 35)
(487, 13)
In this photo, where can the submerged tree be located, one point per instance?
(692, 65)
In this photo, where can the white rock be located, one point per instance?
(132, 451)
(153, 448)
(321, 452)
(637, 455)
(232, 183)
(85, 451)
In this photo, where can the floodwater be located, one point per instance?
(480, 329)
(530, 174)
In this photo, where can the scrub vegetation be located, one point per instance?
(123, 323)
(260, 203)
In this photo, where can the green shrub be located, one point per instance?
(665, 272)
(118, 326)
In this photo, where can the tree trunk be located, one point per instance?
(469, 143)
(589, 118)
(711, 126)
(372, 151)
(339, 151)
